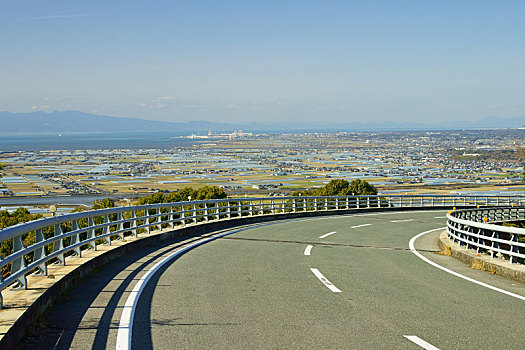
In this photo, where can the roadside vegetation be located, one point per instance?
(341, 188)
(185, 194)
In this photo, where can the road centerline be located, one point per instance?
(420, 342)
(327, 234)
(325, 281)
(405, 220)
(363, 225)
(308, 249)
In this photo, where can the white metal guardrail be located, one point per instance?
(481, 229)
(34, 245)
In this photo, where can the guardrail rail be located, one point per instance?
(34, 245)
(481, 229)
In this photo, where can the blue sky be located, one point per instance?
(265, 61)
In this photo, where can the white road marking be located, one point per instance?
(308, 249)
(361, 225)
(406, 220)
(440, 217)
(413, 250)
(326, 282)
(420, 342)
(327, 234)
(125, 328)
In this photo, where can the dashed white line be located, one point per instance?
(440, 217)
(326, 282)
(420, 342)
(363, 225)
(406, 220)
(327, 234)
(308, 249)
(413, 250)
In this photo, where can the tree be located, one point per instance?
(1, 166)
(361, 188)
(341, 188)
(334, 188)
(152, 199)
(210, 192)
(104, 203)
(206, 192)
(9, 219)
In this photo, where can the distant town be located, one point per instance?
(409, 162)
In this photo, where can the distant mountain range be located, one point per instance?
(80, 122)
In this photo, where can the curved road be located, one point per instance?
(332, 282)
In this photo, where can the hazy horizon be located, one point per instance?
(295, 61)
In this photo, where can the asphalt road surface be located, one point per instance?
(342, 282)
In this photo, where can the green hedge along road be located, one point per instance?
(328, 282)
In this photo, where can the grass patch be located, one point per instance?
(446, 251)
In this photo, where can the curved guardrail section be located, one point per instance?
(481, 229)
(36, 244)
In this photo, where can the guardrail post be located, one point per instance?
(325, 203)
(75, 238)
(480, 241)
(159, 219)
(513, 249)
(347, 206)
(170, 218)
(494, 244)
(194, 212)
(206, 213)
(120, 226)
(146, 221)
(19, 263)
(58, 246)
(40, 253)
(134, 223)
(251, 208)
(358, 200)
(315, 204)
(293, 205)
(229, 210)
(91, 233)
(182, 215)
(107, 229)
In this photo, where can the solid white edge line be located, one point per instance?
(327, 234)
(325, 281)
(363, 225)
(420, 342)
(308, 249)
(413, 250)
(124, 334)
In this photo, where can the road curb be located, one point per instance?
(481, 262)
